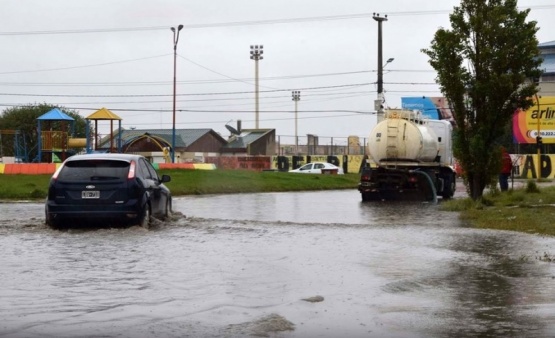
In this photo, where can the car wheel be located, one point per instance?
(144, 220)
(53, 224)
(168, 211)
(50, 222)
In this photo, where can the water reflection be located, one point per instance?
(494, 283)
(239, 265)
(337, 207)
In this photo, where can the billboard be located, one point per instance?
(527, 124)
(435, 108)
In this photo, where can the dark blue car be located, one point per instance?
(106, 189)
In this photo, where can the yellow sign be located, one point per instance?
(538, 120)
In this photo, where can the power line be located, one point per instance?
(213, 93)
(220, 99)
(215, 111)
(215, 72)
(265, 103)
(196, 94)
(310, 95)
(165, 83)
(245, 23)
(86, 66)
(369, 113)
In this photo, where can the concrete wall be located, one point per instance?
(527, 166)
(350, 164)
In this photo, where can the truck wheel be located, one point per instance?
(449, 187)
(365, 197)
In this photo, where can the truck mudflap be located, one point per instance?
(424, 184)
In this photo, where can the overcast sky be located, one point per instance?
(85, 55)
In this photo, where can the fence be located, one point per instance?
(318, 145)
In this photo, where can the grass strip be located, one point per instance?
(530, 209)
(198, 182)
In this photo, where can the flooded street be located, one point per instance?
(307, 264)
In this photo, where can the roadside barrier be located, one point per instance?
(28, 168)
(525, 166)
(50, 168)
(193, 166)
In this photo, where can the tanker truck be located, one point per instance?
(409, 157)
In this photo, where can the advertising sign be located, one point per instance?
(538, 120)
(435, 108)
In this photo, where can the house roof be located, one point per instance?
(549, 44)
(183, 137)
(246, 137)
(103, 114)
(55, 115)
(129, 138)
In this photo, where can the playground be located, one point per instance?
(56, 139)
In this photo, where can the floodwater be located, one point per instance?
(307, 264)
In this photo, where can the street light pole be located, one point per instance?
(256, 55)
(539, 138)
(390, 60)
(175, 40)
(296, 97)
(379, 102)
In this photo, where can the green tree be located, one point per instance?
(484, 64)
(24, 120)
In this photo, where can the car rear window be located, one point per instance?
(94, 170)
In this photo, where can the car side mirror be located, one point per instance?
(165, 178)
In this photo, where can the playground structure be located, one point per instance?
(148, 142)
(99, 115)
(55, 139)
(56, 145)
(20, 153)
(53, 142)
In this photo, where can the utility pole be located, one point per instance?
(378, 104)
(539, 140)
(256, 55)
(175, 40)
(296, 97)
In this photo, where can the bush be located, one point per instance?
(532, 187)
(37, 193)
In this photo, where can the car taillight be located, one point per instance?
(413, 179)
(131, 173)
(57, 172)
(365, 177)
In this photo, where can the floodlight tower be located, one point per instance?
(256, 55)
(296, 97)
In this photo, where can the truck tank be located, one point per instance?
(403, 136)
(409, 158)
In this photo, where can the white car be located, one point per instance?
(317, 167)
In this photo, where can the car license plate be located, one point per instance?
(90, 194)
